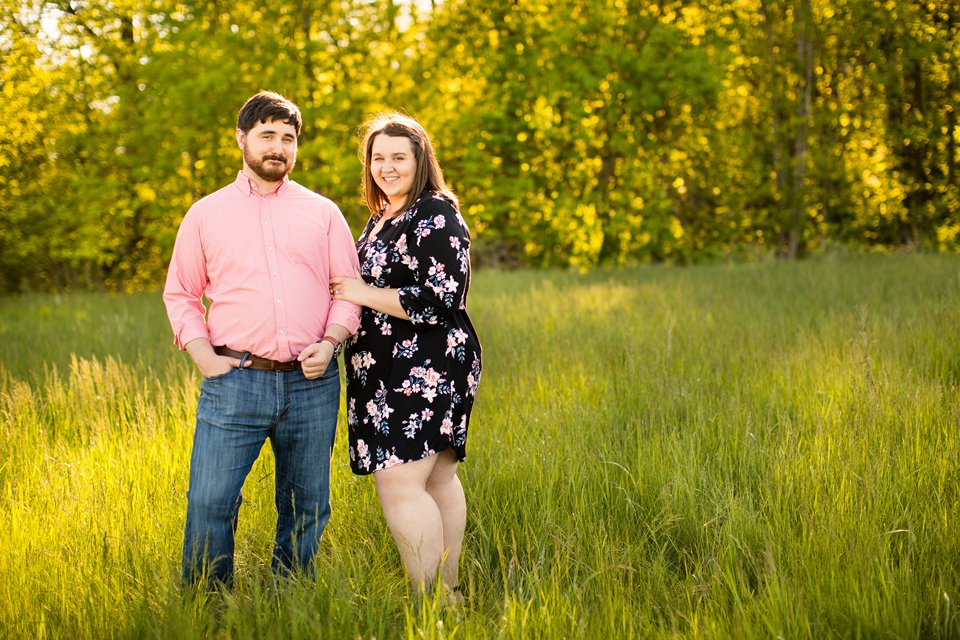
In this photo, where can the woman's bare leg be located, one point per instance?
(444, 487)
(414, 518)
(426, 511)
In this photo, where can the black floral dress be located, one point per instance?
(411, 383)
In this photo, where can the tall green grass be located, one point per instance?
(765, 450)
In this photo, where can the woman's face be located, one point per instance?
(393, 166)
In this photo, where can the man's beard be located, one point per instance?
(272, 172)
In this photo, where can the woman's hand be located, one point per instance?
(349, 289)
(358, 292)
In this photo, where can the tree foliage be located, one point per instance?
(576, 133)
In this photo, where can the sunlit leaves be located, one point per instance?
(575, 133)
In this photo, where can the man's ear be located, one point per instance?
(241, 136)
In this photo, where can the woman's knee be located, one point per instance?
(394, 485)
(444, 470)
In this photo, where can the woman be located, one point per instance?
(414, 364)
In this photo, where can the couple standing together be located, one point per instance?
(288, 290)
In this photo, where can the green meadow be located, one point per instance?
(766, 450)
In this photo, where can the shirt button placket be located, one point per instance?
(273, 264)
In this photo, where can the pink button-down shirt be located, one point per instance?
(263, 262)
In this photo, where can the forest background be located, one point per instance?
(575, 133)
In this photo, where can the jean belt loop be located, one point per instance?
(243, 359)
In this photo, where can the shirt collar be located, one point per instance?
(247, 186)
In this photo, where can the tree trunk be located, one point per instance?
(777, 119)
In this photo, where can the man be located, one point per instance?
(262, 251)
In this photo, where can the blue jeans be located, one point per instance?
(236, 413)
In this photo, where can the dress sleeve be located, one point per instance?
(438, 252)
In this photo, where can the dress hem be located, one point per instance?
(460, 451)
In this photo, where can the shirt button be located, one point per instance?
(274, 273)
(269, 248)
(279, 301)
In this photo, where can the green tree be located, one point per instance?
(576, 133)
(569, 121)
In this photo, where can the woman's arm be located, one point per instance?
(439, 250)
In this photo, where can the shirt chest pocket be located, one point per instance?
(307, 242)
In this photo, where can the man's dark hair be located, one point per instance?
(268, 106)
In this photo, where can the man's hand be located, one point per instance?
(315, 358)
(207, 360)
(219, 365)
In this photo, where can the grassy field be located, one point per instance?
(766, 450)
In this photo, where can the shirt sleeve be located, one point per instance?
(186, 282)
(439, 246)
(343, 262)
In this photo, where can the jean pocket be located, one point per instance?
(332, 370)
(221, 376)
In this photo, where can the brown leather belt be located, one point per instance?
(258, 363)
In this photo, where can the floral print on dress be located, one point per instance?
(406, 348)
(383, 323)
(378, 412)
(456, 344)
(425, 381)
(411, 384)
(414, 423)
(361, 454)
(362, 362)
(425, 226)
